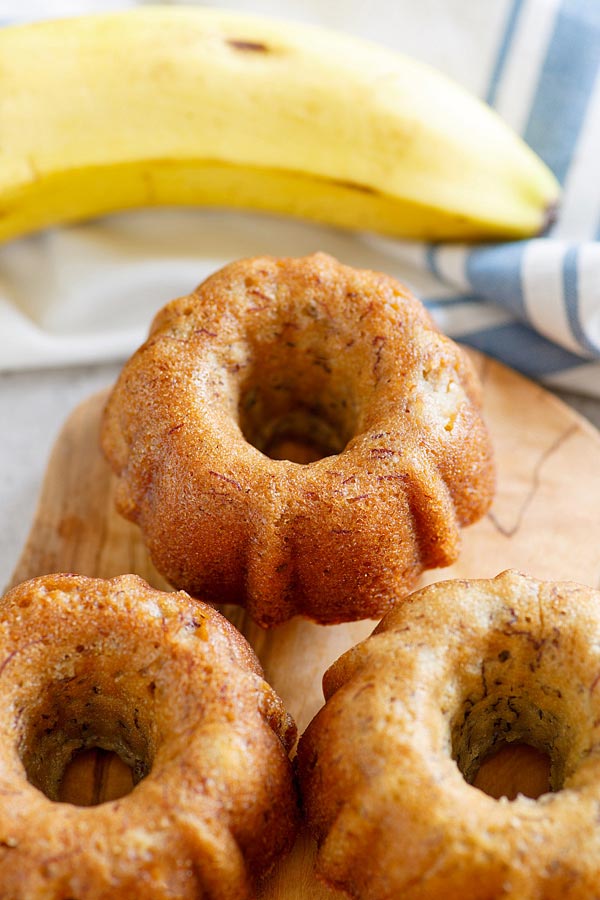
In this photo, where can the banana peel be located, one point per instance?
(177, 106)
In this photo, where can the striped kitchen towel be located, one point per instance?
(545, 81)
(87, 293)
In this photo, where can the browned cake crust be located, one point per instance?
(171, 686)
(456, 670)
(268, 348)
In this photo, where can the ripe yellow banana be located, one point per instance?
(164, 106)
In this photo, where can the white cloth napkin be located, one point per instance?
(88, 292)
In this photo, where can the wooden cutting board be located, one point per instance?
(543, 521)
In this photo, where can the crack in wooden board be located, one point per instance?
(510, 531)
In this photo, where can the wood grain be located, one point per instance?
(543, 521)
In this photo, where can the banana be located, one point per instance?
(168, 106)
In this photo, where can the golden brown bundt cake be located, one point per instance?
(175, 690)
(349, 360)
(456, 671)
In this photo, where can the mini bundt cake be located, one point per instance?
(347, 360)
(168, 684)
(455, 672)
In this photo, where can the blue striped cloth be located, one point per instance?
(549, 287)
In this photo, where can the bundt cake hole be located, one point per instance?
(510, 744)
(298, 388)
(282, 424)
(514, 769)
(95, 776)
(301, 437)
(507, 745)
(84, 743)
(517, 726)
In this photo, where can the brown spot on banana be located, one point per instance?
(251, 46)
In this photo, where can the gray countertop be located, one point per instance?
(34, 406)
